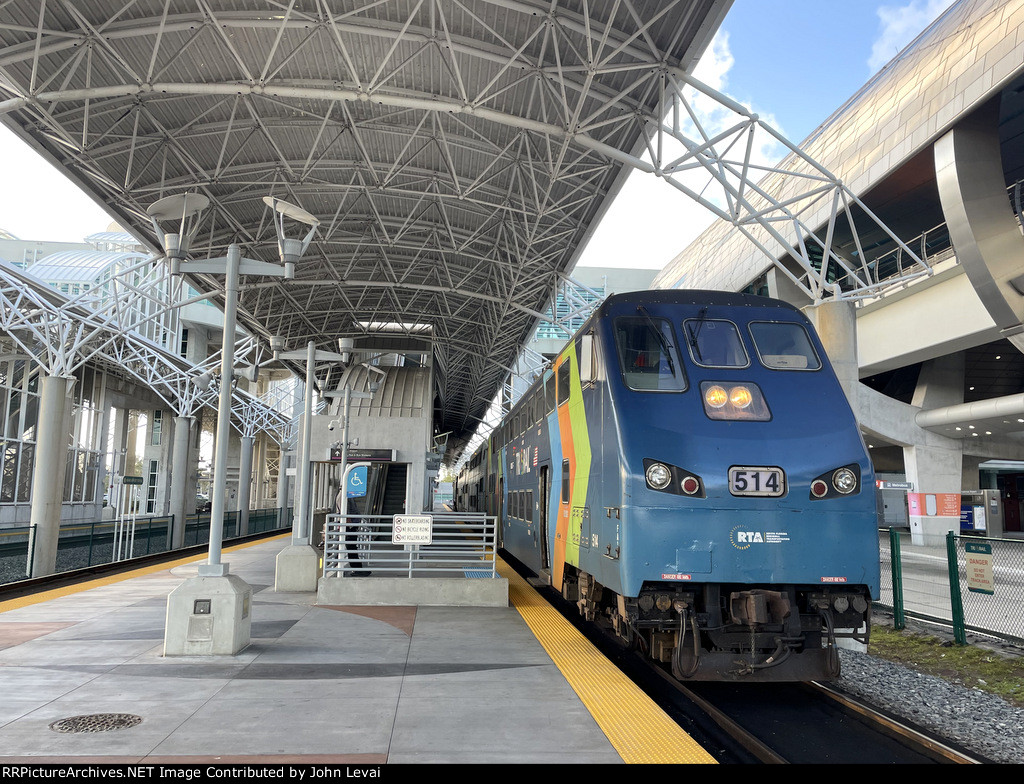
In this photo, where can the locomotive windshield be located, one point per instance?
(783, 346)
(647, 355)
(715, 343)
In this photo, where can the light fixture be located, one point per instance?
(290, 250)
(185, 208)
(204, 380)
(249, 373)
(345, 346)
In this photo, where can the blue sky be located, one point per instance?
(799, 60)
(792, 61)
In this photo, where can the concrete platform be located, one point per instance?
(422, 591)
(318, 684)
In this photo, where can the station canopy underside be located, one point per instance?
(456, 153)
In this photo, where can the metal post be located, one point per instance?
(244, 484)
(282, 489)
(214, 567)
(955, 599)
(896, 565)
(300, 529)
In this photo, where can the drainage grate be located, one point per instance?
(96, 722)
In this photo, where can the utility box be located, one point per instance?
(981, 513)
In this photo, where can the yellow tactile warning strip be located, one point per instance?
(638, 729)
(67, 590)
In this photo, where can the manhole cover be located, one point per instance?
(96, 722)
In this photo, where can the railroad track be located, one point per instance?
(782, 723)
(811, 723)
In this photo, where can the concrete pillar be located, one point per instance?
(181, 466)
(106, 447)
(935, 473)
(48, 472)
(940, 382)
(130, 466)
(836, 325)
(260, 471)
(780, 286)
(244, 484)
(970, 473)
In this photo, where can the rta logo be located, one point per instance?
(741, 539)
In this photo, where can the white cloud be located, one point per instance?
(713, 68)
(899, 25)
(650, 221)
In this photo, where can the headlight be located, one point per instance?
(716, 397)
(844, 480)
(669, 478)
(658, 475)
(742, 401)
(740, 397)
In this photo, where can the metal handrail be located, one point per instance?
(460, 545)
(932, 245)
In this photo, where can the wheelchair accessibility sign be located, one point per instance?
(356, 485)
(412, 529)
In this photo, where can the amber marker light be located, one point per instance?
(716, 397)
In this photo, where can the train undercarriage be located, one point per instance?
(717, 632)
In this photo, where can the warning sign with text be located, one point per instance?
(412, 529)
(979, 567)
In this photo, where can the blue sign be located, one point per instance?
(356, 485)
(966, 517)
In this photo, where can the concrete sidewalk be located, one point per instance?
(350, 685)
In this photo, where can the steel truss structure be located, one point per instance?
(109, 326)
(457, 153)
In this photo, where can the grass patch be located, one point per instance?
(973, 666)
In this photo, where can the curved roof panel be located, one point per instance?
(456, 152)
(85, 266)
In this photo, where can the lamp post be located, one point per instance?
(210, 614)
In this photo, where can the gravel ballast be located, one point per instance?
(977, 721)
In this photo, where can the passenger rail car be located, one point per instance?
(690, 473)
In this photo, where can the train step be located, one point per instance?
(542, 580)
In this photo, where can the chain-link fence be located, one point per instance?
(972, 583)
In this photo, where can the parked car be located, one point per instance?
(202, 504)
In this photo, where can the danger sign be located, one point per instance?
(979, 567)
